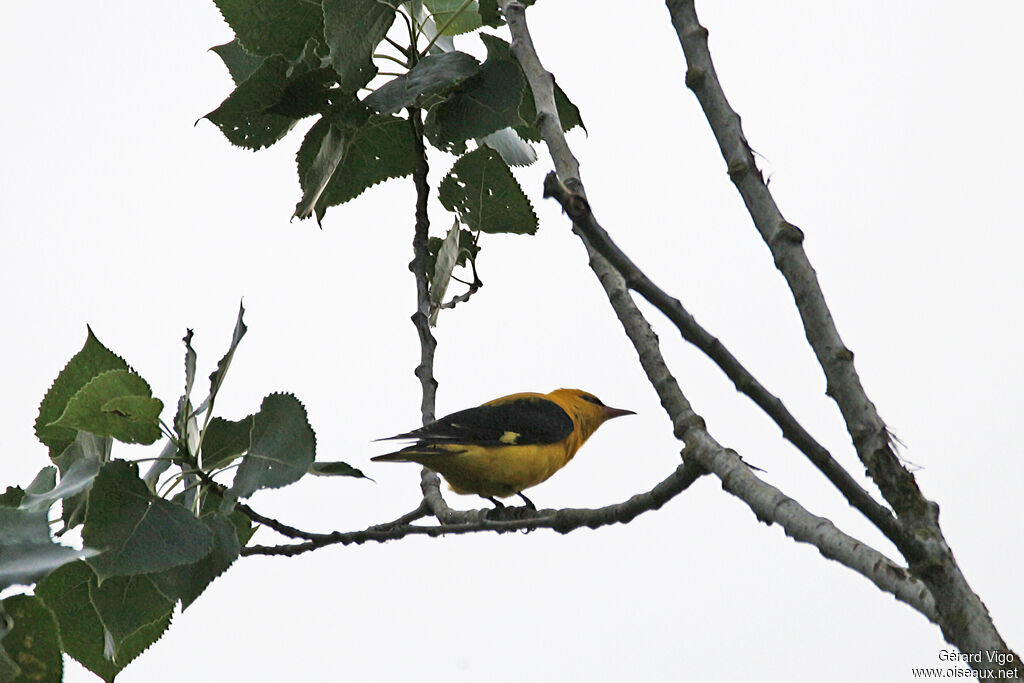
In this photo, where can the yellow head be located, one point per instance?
(586, 410)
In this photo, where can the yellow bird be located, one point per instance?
(506, 445)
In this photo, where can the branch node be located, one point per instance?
(695, 77)
(787, 233)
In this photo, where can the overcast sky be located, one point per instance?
(891, 133)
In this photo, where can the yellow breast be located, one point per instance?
(500, 471)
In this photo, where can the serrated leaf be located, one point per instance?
(335, 469)
(485, 103)
(568, 114)
(127, 604)
(93, 359)
(66, 593)
(513, 149)
(282, 449)
(272, 27)
(240, 64)
(481, 189)
(116, 403)
(243, 117)
(33, 643)
(187, 582)
(381, 149)
(353, 29)
(78, 478)
(451, 24)
(225, 440)
(137, 531)
(432, 76)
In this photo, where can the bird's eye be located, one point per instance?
(590, 398)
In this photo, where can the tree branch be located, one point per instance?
(563, 521)
(430, 483)
(964, 619)
(687, 425)
(585, 223)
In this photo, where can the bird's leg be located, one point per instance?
(529, 503)
(499, 512)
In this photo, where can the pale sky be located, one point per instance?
(891, 134)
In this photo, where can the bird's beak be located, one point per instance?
(609, 413)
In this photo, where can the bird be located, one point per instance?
(504, 446)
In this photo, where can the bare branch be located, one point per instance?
(964, 619)
(869, 433)
(430, 483)
(687, 425)
(563, 521)
(583, 219)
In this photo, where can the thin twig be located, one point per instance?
(430, 483)
(563, 521)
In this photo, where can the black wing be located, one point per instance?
(517, 421)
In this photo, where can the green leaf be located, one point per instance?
(568, 114)
(323, 148)
(445, 16)
(33, 643)
(66, 593)
(217, 376)
(282, 449)
(11, 498)
(432, 76)
(93, 359)
(353, 29)
(381, 149)
(244, 527)
(240, 63)
(45, 480)
(485, 103)
(188, 581)
(441, 274)
(115, 403)
(77, 479)
(489, 13)
(126, 605)
(137, 531)
(26, 552)
(243, 117)
(468, 248)
(8, 669)
(272, 27)
(335, 469)
(480, 188)
(225, 440)
(86, 446)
